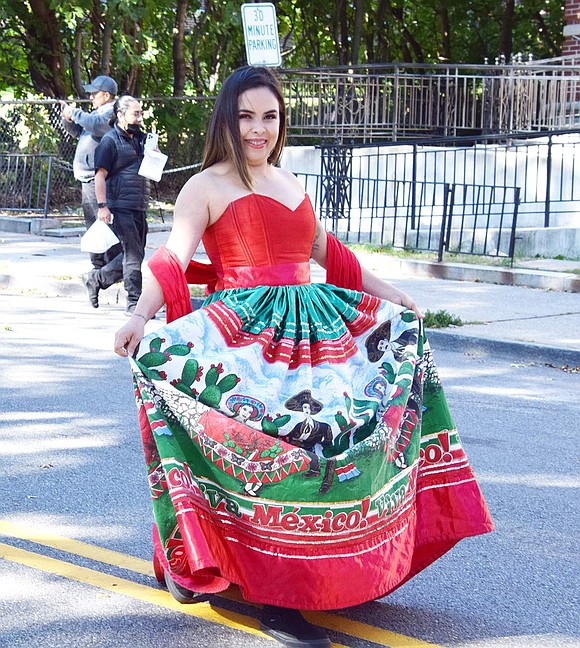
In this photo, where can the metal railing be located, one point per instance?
(356, 108)
(25, 182)
(350, 105)
(428, 216)
(545, 168)
(395, 101)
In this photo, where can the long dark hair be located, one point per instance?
(223, 140)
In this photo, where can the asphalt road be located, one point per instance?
(74, 487)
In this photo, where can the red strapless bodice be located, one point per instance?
(259, 241)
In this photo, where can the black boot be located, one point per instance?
(314, 470)
(92, 287)
(291, 629)
(328, 476)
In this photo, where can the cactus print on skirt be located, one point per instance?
(299, 444)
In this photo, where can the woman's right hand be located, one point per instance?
(128, 337)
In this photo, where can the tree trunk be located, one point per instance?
(378, 52)
(179, 67)
(134, 76)
(507, 28)
(44, 47)
(102, 35)
(357, 34)
(410, 44)
(342, 43)
(106, 52)
(553, 47)
(445, 31)
(76, 62)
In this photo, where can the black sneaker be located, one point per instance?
(179, 593)
(291, 629)
(91, 288)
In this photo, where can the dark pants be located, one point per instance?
(131, 228)
(89, 205)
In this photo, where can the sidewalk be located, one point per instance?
(529, 324)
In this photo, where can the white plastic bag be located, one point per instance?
(153, 161)
(152, 164)
(98, 238)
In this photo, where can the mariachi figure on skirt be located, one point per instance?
(311, 435)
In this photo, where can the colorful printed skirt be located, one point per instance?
(299, 444)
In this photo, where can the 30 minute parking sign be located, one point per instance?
(261, 34)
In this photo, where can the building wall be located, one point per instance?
(571, 45)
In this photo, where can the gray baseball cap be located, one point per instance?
(104, 83)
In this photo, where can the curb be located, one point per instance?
(516, 351)
(35, 226)
(52, 227)
(529, 278)
(55, 288)
(524, 278)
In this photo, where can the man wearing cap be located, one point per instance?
(89, 127)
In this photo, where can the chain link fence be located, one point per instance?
(32, 136)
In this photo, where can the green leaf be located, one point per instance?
(155, 344)
(228, 382)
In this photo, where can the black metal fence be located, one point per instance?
(545, 168)
(34, 129)
(24, 182)
(428, 216)
(354, 105)
(458, 175)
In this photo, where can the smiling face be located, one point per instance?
(253, 90)
(259, 119)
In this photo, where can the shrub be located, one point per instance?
(441, 319)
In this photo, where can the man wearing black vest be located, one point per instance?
(123, 196)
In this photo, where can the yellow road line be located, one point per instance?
(323, 619)
(129, 588)
(202, 610)
(365, 631)
(76, 547)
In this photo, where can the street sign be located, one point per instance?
(261, 34)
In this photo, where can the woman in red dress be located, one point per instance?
(241, 502)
